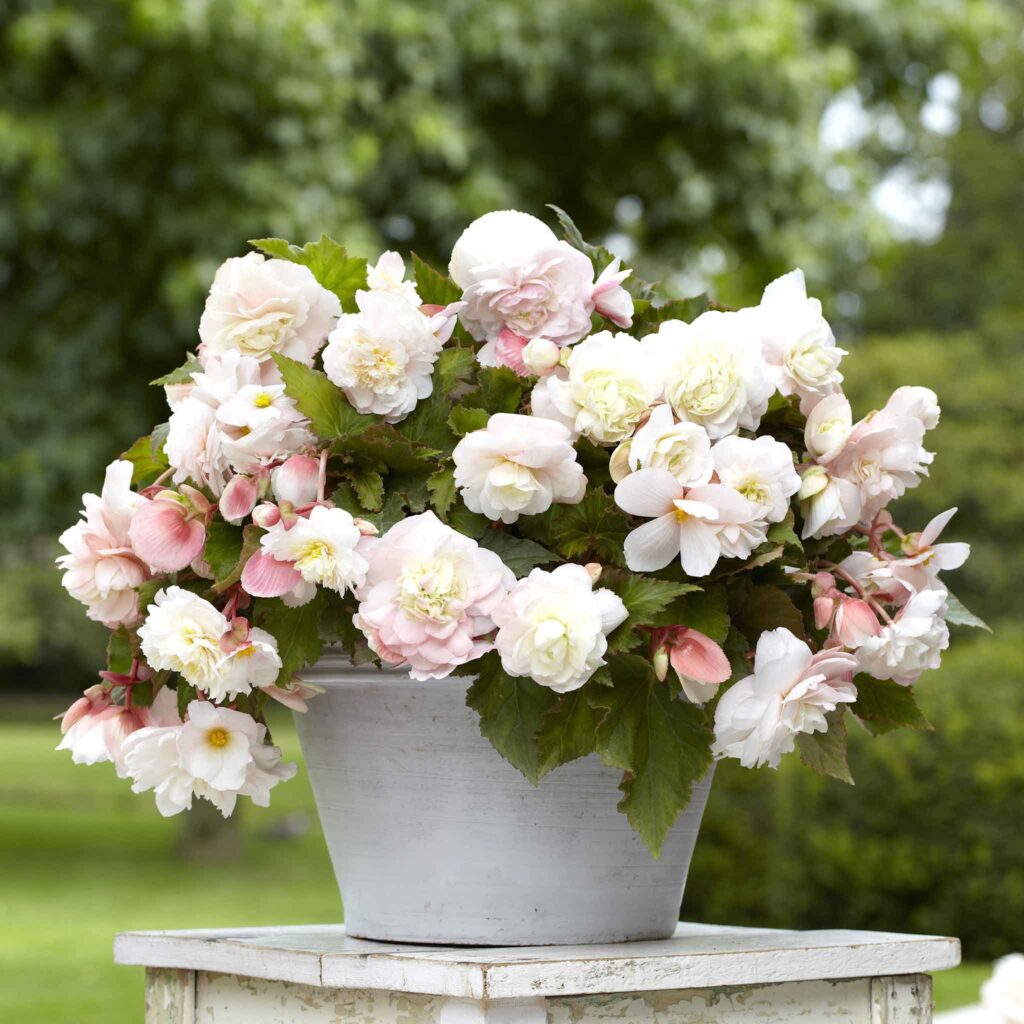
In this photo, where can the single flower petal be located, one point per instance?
(648, 492)
(652, 546)
(265, 576)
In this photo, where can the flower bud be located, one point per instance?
(238, 498)
(266, 515)
(813, 482)
(366, 528)
(541, 356)
(618, 464)
(594, 568)
(297, 480)
(660, 661)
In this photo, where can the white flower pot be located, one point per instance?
(435, 838)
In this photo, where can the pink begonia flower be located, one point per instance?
(698, 661)
(429, 596)
(238, 499)
(921, 550)
(101, 567)
(169, 531)
(697, 525)
(610, 299)
(799, 348)
(790, 692)
(259, 306)
(265, 576)
(516, 276)
(294, 695)
(296, 480)
(388, 275)
(909, 645)
(95, 729)
(517, 465)
(830, 505)
(854, 622)
(441, 320)
(508, 351)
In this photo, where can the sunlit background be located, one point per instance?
(880, 146)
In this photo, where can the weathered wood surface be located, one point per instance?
(697, 957)
(229, 999)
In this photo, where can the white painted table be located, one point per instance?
(705, 974)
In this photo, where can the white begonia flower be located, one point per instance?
(322, 547)
(153, 761)
(830, 505)
(182, 633)
(517, 465)
(258, 307)
(100, 569)
(790, 691)
(761, 469)
(383, 356)
(254, 663)
(388, 275)
(828, 426)
(1003, 993)
(684, 449)
(911, 644)
(611, 381)
(916, 402)
(552, 627)
(697, 525)
(713, 372)
(797, 342)
(216, 745)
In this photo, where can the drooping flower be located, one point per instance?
(830, 505)
(761, 469)
(322, 548)
(610, 299)
(429, 597)
(922, 554)
(553, 627)
(388, 275)
(684, 449)
(182, 633)
(517, 276)
(169, 530)
(383, 356)
(252, 663)
(238, 498)
(828, 426)
(101, 569)
(517, 465)
(699, 663)
(611, 382)
(697, 525)
(790, 691)
(296, 480)
(216, 745)
(797, 342)
(713, 372)
(911, 644)
(258, 307)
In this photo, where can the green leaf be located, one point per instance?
(594, 527)
(768, 607)
(251, 535)
(958, 615)
(182, 375)
(783, 533)
(705, 610)
(296, 631)
(825, 752)
(464, 421)
(518, 554)
(499, 389)
(434, 288)
(644, 597)
(441, 486)
(329, 262)
(328, 410)
(472, 524)
(511, 711)
(452, 368)
(427, 424)
(369, 487)
(186, 693)
(568, 730)
(885, 705)
(120, 651)
(386, 450)
(148, 459)
(648, 320)
(663, 745)
(223, 547)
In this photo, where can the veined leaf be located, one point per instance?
(825, 752)
(568, 730)
(433, 287)
(464, 421)
(595, 526)
(181, 375)
(768, 607)
(329, 262)
(511, 711)
(148, 459)
(518, 554)
(957, 614)
(651, 317)
(441, 486)
(884, 705)
(296, 631)
(644, 597)
(452, 368)
(328, 409)
(368, 485)
(223, 547)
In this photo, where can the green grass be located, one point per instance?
(81, 858)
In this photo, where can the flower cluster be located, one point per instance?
(623, 512)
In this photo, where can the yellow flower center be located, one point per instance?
(682, 515)
(263, 400)
(217, 738)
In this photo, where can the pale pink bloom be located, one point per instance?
(177, 393)
(700, 664)
(266, 576)
(930, 558)
(553, 627)
(516, 275)
(911, 644)
(790, 692)
(101, 567)
(388, 275)
(258, 307)
(916, 402)
(799, 348)
(169, 531)
(854, 621)
(383, 356)
(830, 504)
(442, 319)
(429, 596)
(253, 663)
(684, 449)
(761, 469)
(610, 299)
(238, 499)
(828, 426)
(893, 580)
(294, 694)
(697, 525)
(509, 350)
(517, 465)
(297, 480)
